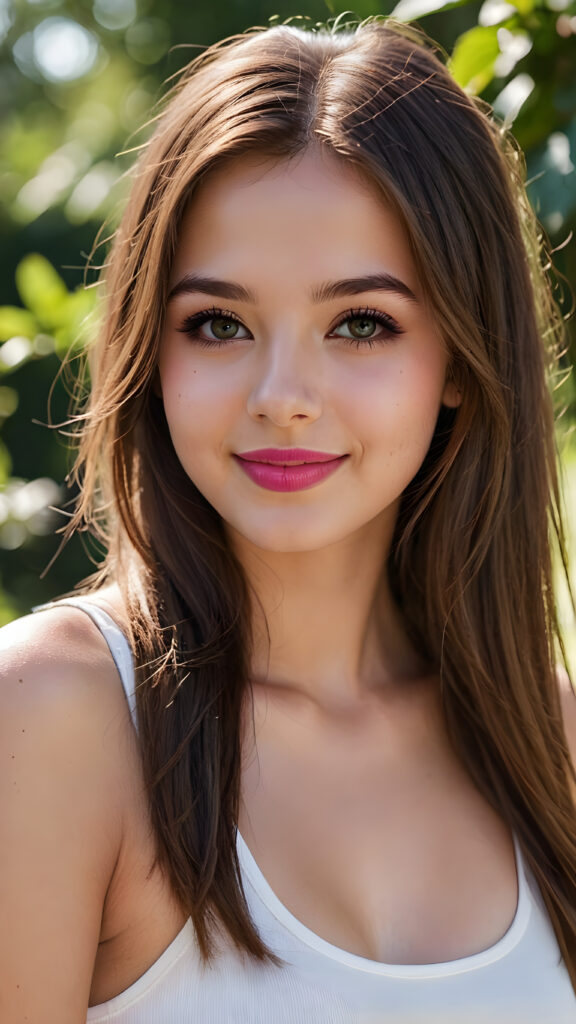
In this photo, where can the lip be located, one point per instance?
(283, 456)
(273, 474)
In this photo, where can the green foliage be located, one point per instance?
(77, 80)
(16, 321)
(57, 312)
(474, 58)
(53, 318)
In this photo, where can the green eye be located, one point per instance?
(368, 326)
(212, 328)
(223, 328)
(362, 327)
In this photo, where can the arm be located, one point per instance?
(62, 717)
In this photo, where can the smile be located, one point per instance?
(288, 474)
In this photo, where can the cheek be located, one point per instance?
(182, 401)
(192, 395)
(399, 405)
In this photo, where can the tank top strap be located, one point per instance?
(114, 637)
(122, 656)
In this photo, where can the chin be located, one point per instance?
(288, 538)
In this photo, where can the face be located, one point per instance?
(297, 331)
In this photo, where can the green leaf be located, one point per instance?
(5, 464)
(8, 609)
(16, 321)
(81, 304)
(77, 321)
(410, 10)
(42, 290)
(474, 57)
(8, 402)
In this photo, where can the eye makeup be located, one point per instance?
(371, 326)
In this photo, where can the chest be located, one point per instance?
(374, 838)
(377, 840)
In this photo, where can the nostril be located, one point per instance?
(282, 407)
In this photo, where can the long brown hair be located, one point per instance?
(470, 565)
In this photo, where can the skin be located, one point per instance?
(346, 724)
(292, 375)
(347, 761)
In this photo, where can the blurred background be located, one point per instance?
(78, 81)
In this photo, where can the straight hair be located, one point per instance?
(470, 564)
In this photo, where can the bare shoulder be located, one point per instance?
(60, 637)
(62, 706)
(55, 666)
(66, 745)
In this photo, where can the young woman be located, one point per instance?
(319, 447)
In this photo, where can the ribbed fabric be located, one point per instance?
(519, 980)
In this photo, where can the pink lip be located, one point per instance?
(282, 456)
(267, 467)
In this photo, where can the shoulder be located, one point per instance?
(58, 633)
(56, 661)
(64, 721)
(67, 754)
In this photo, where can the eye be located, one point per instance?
(366, 327)
(213, 327)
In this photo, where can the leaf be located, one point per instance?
(524, 6)
(8, 610)
(81, 304)
(77, 322)
(8, 402)
(5, 464)
(42, 290)
(474, 57)
(410, 10)
(16, 321)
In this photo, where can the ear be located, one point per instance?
(451, 396)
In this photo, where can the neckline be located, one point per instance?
(251, 871)
(499, 949)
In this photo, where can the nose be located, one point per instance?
(287, 385)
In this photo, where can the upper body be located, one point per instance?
(327, 510)
(85, 917)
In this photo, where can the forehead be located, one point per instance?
(312, 215)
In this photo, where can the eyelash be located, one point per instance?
(391, 326)
(192, 324)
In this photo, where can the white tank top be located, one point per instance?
(519, 980)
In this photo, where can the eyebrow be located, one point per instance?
(191, 283)
(368, 283)
(194, 283)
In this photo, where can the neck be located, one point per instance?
(325, 627)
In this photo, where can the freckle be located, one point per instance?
(20, 680)
(23, 730)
